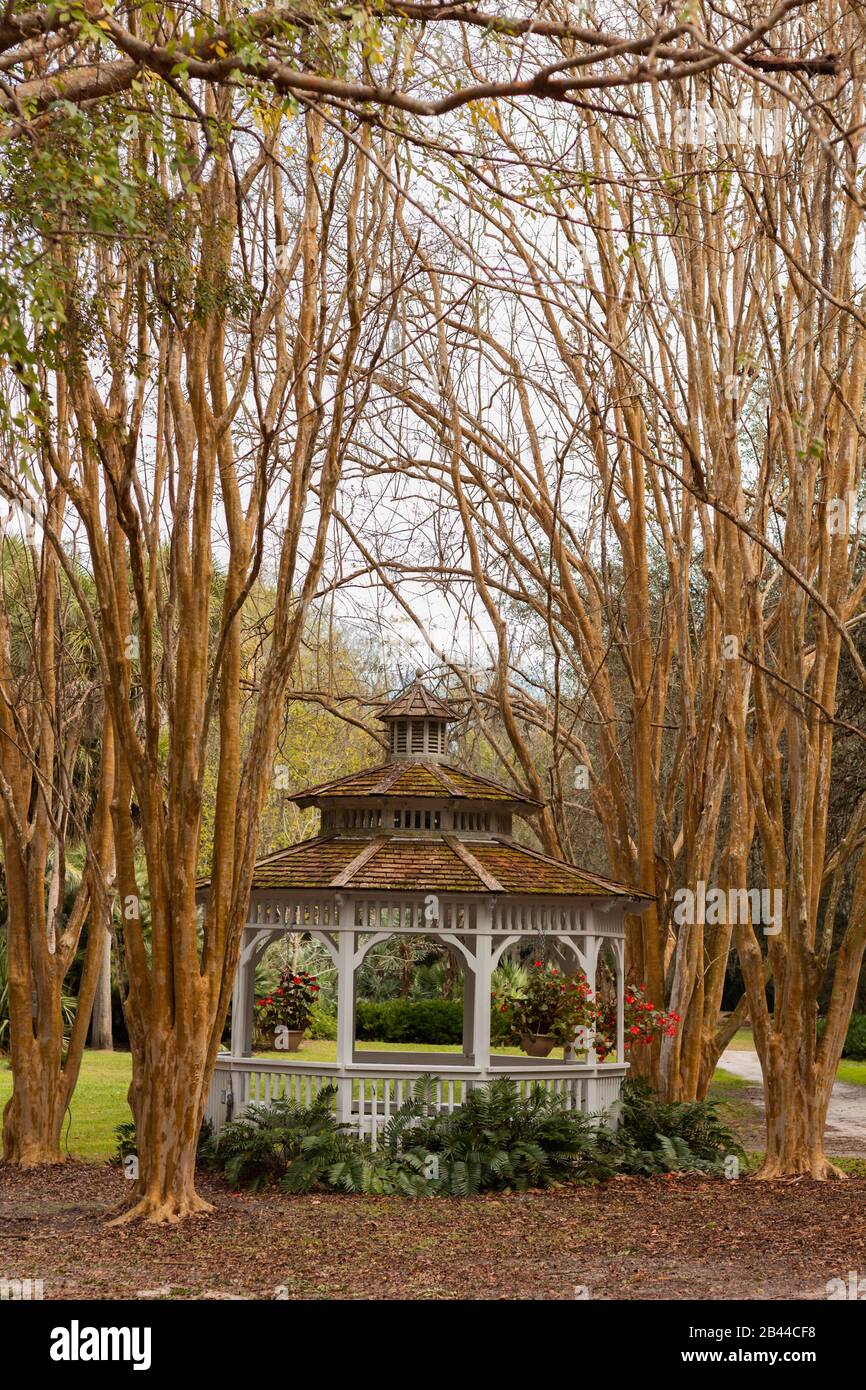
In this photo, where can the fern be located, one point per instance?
(496, 1140)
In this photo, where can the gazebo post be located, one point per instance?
(468, 1011)
(592, 947)
(481, 988)
(345, 1005)
(243, 1001)
(619, 951)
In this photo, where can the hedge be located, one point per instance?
(855, 1041)
(410, 1021)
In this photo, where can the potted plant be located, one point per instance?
(547, 1010)
(286, 1011)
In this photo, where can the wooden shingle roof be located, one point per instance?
(403, 864)
(417, 702)
(414, 779)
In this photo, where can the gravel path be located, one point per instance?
(846, 1117)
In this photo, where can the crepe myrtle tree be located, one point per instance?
(212, 386)
(49, 696)
(656, 503)
(406, 59)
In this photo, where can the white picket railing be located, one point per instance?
(368, 1095)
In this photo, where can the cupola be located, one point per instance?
(417, 722)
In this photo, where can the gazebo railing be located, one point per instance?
(368, 1095)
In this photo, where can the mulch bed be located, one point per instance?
(656, 1238)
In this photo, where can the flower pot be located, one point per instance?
(288, 1039)
(537, 1044)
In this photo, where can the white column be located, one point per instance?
(619, 952)
(345, 1004)
(483, 972)
(591, 950)
(243, 1000)
(468, 1008)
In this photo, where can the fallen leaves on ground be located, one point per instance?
(676, 1237)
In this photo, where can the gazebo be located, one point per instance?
(420, 846)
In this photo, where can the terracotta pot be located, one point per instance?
(291, 1037)
(537, 1044)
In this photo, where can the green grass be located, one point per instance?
(851, 1164)
(98, 1104)
(314, 1050)
(727, 1081)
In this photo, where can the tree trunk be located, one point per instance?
(33, 1115)
(101, 1039)
(167, 1102)
(796, 1113)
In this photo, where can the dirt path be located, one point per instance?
(846, 1117)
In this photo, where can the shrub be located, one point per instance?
(496, 1140)
(855, 1039)
(656, 1136)
(303, 1147)
(410, 1021)
(322, 1026)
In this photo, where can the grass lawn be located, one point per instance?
(727, 1081)
(853, 1072)
(98, 1104)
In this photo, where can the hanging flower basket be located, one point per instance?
(548, 1011)
(537, 1044)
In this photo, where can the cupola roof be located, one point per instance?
(417, 702)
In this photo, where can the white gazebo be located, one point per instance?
(422, 847)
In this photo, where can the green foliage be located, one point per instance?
(70, 183)
(855, 1039)
(656, 1136)
(304, 1147)
(496, 1140)
(410, 1021)
(126, 1144)
(550, 1003)
(291, 1003)
(323, 1026)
